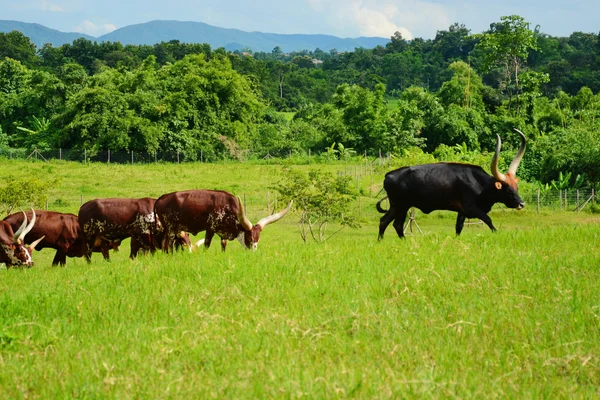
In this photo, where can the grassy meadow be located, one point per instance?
(510, 314)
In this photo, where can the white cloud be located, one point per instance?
(90, 28)
(47, 6)
(384, 17)
(378, 23)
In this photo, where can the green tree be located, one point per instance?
(507, 45)
(19, 47)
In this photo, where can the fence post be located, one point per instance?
(538, 200)
(84, 156)
(577, 207)
(108, 162)
(60, 154)
(560, 199)
(200, 155)
(131, 157)
(177, 156)
(155, 157)
(566, 205)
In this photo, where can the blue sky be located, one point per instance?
(343, 18)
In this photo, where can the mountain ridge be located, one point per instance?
(156, 31)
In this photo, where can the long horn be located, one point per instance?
(494, 167)
(17, 236)
(30, 225)
(244, 221)
(35, 243)
(275, 217)
(512, 169)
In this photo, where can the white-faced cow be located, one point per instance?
(58, 231)
(466, 189)
(119, 218)
(214, 211)
(13, 250)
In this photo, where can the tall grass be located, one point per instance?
(510, 314)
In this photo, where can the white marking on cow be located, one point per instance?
(145, 222)
(10, 253)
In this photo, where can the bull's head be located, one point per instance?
(508, 184)
(250, 234)
(17, 252)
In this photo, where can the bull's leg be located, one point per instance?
(384, 221)
(460, 223)
(223, 244)
(135, 248)
(60, 258)
(399, 222)
(87, 252)
(208, 238)
(477, 213)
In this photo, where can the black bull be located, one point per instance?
(465, 189)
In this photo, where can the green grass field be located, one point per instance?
(512, 314)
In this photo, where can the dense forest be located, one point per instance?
(449, 96)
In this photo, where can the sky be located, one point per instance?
(342, 18)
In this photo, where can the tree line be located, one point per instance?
(448, 96)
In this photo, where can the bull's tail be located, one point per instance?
(378, 205)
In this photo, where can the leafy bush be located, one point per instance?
(321, 198)
(23, 193)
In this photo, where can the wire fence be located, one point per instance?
(105, 156)
(141, 157)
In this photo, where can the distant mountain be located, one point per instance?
(39, 34)
(154, 32)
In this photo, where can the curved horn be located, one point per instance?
(244, 221)
(17, 235)
(517, 160)
(35, 243)
(275, 217)
(29, 227)
(494, 167)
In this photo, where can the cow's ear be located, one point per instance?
(498, 185)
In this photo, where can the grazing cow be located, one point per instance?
(466, 189)
(57, 231)
(213, 211)
(116, 219)
(13, 250)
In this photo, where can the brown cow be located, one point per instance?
(213, 211)
(13, 251)
(60, 232)
(119, 218)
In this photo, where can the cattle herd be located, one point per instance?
(101, 225)
(165, 223)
